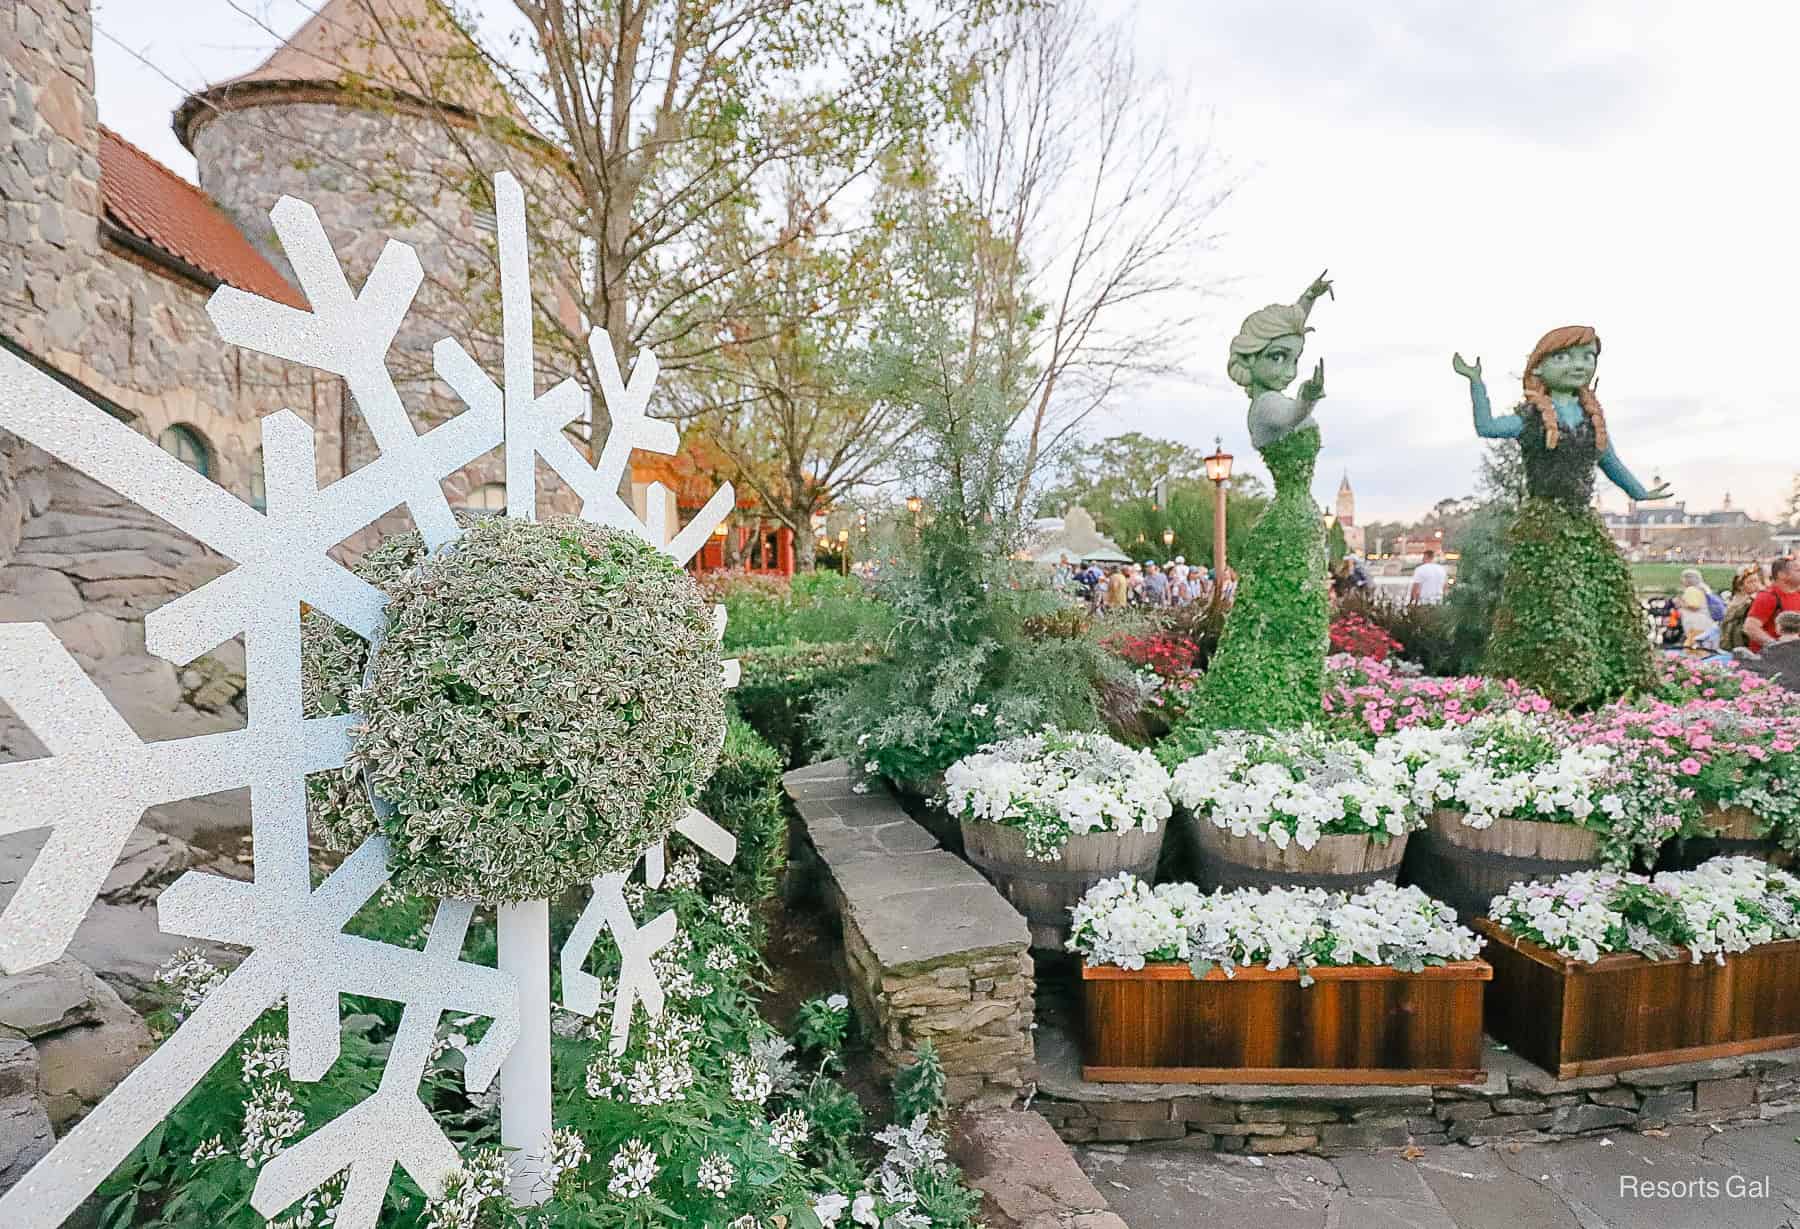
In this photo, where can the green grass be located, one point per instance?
(1665, 578)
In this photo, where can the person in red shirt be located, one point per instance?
(1782, 594)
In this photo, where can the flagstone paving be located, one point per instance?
(1576, 1184)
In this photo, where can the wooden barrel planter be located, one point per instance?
(1353, 1025)
(1624, 1011)
(1045, 891)
(1343, 863)
(1731, 833)
(1467, 867)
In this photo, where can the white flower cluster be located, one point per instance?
(319, 1209)
(1512, 766)
(788, 1132)
(633, 1170)
(1724, 905)
(660, 1074)
(477, 1181)
(750, 1080)
(717, 1175)
(264, 1058)
(192, 977)
(567, 1153)
(1123, 922)
(889, 1199)
(270, 1119)
(1296, 786)
(1056, 785)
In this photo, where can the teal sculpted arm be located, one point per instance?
(1613, 468)
(1488, 425)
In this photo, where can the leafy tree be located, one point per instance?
(642, 125)
(1095, 213)
(962, 668)
(780, 398)
(1137, 525)
(1480, 541)
(1119, 469)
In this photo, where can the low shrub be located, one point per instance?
(744, 797)
(781, 685)
(1355, 633)
(1424, 635)
(813, 607)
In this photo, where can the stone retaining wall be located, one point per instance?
(930, 950)
(1519, 1102)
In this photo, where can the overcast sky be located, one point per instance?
(1473, 174)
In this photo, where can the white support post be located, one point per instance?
(525, 1075)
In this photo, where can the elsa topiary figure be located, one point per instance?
(1569, 623)
(1270, 666)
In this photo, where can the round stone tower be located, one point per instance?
(383, 116)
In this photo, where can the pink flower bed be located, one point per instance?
(1368, 698)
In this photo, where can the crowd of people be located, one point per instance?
(1762, 610)
(1121, 586)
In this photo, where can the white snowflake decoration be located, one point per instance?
(99, 777)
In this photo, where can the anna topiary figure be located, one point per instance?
(1568, 624)
(1270, 666)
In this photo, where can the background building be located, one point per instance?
(1665, 529)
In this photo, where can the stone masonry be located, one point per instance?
(931, 951)
(1519, 1103)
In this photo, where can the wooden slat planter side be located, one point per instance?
(1356, 1025)
(1045, 891)
(1623, 1011)
(1337, 863)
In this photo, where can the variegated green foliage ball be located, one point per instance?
(546, 701)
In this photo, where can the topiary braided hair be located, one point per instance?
(1538, 397)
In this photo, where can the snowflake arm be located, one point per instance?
(345, 334)
(393, 1127)
(88, 741)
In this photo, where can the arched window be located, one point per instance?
(259, 487)
(186, 446)
(489, 499)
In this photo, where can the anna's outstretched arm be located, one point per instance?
(1488, 425)
(1626, 481)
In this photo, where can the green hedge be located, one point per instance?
(744, 797)
(781, 684)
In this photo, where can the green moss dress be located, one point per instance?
(1569, 624)
(1269, 669)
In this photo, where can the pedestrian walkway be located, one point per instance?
(1736, 1178)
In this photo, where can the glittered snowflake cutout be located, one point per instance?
(98, 777)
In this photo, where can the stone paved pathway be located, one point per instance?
(1574, 1184)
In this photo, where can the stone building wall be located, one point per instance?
(134, 333)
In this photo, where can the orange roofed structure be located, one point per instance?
(692, 475)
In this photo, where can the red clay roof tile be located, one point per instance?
(153, 203)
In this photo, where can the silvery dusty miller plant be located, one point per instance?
(508, 661)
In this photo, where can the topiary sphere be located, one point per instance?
(546, 701)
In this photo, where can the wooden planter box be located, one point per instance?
(1623, 1011)
(1358, 1025)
